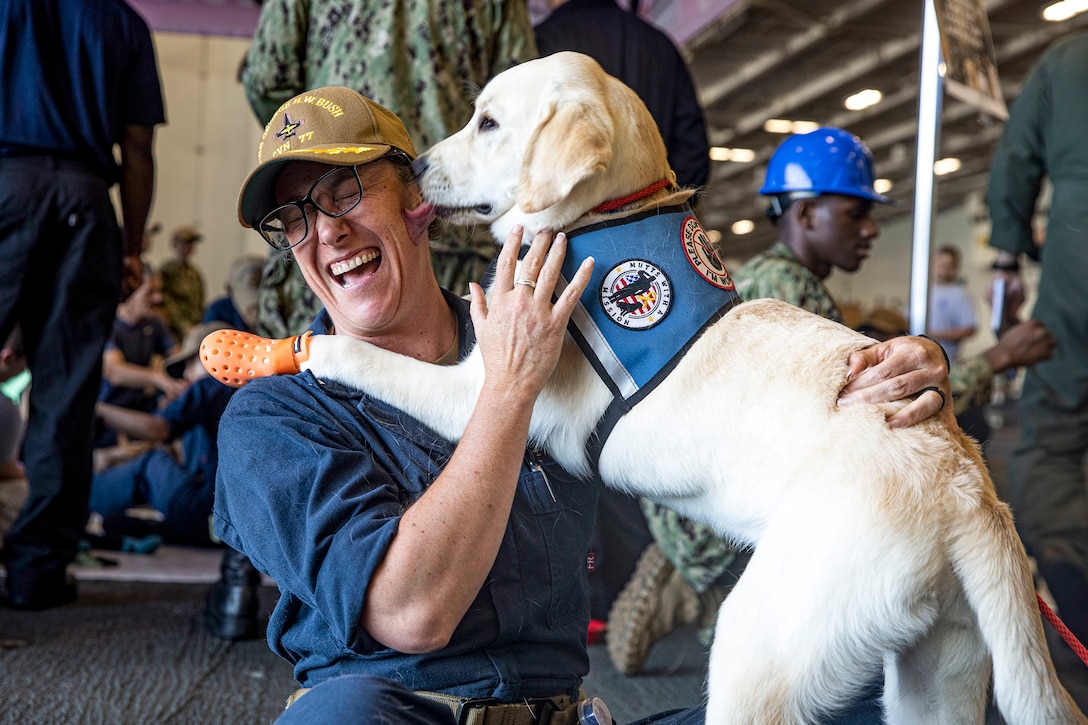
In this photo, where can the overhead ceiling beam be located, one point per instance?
(714, 92)
(1024, 43)
(889, 128)
(886, 53)
(885, 138)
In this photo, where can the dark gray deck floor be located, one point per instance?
(132, 653)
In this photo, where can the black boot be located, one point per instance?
(230, 607)
(30, 592)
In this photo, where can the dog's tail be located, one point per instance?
(993, 568)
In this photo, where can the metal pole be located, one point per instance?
(929, 126)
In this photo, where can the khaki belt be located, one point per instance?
(560, 710)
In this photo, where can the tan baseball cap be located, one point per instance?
(331, 125)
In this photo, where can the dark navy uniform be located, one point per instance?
(73, 76)
(139, 344)
(644, 58)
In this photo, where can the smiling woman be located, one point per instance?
(334, 185)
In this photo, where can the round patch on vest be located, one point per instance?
(703, 256)
(636, 294)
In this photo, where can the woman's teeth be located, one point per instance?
(346, 266)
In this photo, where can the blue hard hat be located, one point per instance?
(825, 161)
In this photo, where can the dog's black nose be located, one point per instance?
(420, 165)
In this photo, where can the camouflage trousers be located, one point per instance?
(698, 553)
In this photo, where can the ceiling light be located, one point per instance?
(742, 227)
(778, 125)
(946, 166)
(740, 156)
(863, 99)
(1063, 10)
(882, 186)
(713, 235)
(781, 125)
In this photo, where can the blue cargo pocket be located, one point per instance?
(561, 523)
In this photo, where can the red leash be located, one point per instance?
(1059, 625)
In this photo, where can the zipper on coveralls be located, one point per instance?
(535, 455)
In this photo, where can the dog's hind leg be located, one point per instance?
(789, 646)
(945, 676)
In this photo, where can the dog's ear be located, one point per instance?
(573, 142)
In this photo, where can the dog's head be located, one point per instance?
(549, 140)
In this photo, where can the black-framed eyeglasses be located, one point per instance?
(334, 194)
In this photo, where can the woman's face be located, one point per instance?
(365, 264)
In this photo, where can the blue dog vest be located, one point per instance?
(657, 284)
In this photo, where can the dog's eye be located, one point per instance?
(487, 123)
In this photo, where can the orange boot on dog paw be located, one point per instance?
(235, 357)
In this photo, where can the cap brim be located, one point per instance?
(870, 195)
(256, 197)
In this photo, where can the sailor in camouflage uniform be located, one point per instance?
(285, 304)
(182, 284)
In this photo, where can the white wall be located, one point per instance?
(204, 151)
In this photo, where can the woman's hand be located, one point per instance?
(519, 330)
(897, 369)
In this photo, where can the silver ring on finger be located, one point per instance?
(527, 282)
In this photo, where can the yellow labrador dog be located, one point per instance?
(876, 550)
